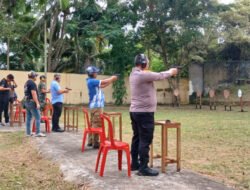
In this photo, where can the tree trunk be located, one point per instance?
(53, 23)
(8, 54)
(59, 45)
(1, 3)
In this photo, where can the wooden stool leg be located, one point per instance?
(11, 114)
(77, 120)
(166, 154)
(151, 155)
(73, 120)
(64, 113)
(178, 139)
(68, 120)
(163, 149)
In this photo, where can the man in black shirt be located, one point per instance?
(5, 88)
(32, 104)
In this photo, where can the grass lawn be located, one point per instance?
(214, 143)
(21, 167)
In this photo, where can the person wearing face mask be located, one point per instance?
(57, 99)
(142, 108)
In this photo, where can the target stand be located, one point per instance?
(212, 99)
(198, 103)
(227, 101)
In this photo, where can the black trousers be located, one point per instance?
(57, 111)
(143, 132)
(4, 107)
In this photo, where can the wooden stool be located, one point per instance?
(164, 145)
(71, 117)
(113, 115)
(13, 108)
(212, 101)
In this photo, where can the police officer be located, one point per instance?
(42, 91)
(142, 108)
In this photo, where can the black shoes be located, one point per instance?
(135, 167)
(148, 172)
(89, 144)
(96, 146)
(59, 130)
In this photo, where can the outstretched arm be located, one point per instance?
(153, 76)
(108, 81)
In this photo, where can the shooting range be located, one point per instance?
(132, 95)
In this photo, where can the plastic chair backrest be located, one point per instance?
(86, 117)
(48, 110)
(110, 129)
(18, 108)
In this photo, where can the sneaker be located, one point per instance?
(40, 135)
(29, 135)
(7, 124)
(2, 124)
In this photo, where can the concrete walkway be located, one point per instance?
(65, 149)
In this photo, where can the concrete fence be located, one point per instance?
(79, 93)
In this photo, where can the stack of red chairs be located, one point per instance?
(46, 117)
(18, 111)
(111, 144)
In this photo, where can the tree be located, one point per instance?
(235, 31)
(168, 26)
(15, 21)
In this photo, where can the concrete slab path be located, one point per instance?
(65, 149)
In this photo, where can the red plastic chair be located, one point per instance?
(111, 144)
(46, 117)
(88, 129)
(47, 100)
(18, 111)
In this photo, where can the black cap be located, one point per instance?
(32, 74)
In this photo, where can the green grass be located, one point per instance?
(214, 143)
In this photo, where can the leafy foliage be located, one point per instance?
(109, 34)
